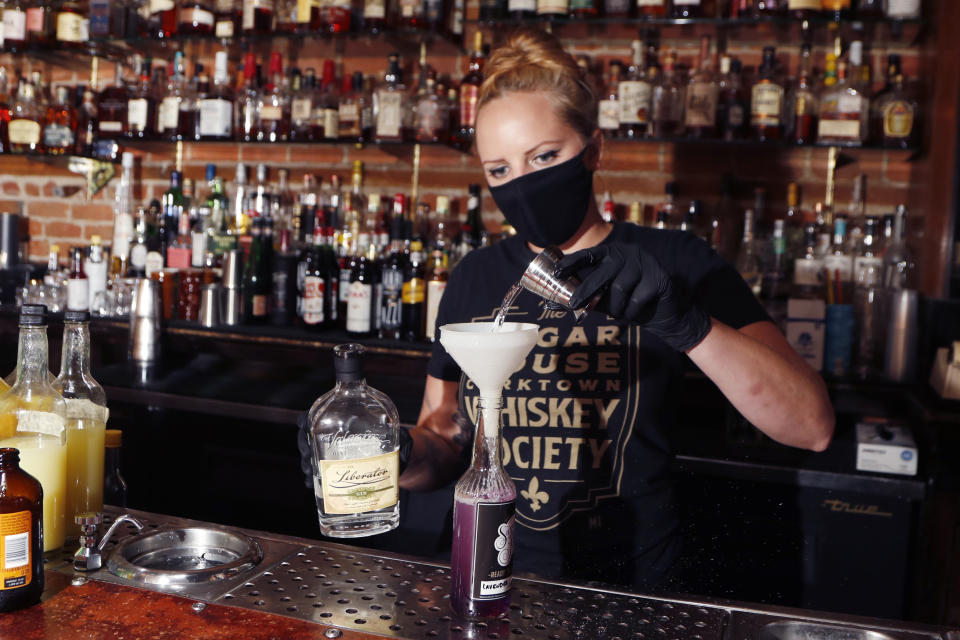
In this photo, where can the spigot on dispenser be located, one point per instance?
(88, 556)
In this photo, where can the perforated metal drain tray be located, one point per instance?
(395, 597)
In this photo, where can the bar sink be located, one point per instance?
(798, 630)
(184, 556)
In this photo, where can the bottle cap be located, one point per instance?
(211, 172)
(348, 362)
(112, 438)
(33, 314)
(76, 317)
(443, 204)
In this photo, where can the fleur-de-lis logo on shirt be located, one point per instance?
(536, 497)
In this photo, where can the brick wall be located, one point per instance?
(59, 209)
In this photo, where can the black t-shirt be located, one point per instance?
(585, 420)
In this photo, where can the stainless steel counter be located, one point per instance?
(402, 597)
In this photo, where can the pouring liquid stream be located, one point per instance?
(508, 301)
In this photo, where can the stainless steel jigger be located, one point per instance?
(540, 278)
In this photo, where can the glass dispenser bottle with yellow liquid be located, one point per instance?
(86, 407)
(33, 420)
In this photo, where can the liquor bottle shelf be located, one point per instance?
(718, 22)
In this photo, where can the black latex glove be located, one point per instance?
(635, 288)
(306, 451)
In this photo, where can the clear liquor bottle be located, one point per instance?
(354, 433)
(168, 112)
(897, 260)
(481, 561)
(608, 107)
(844, 112)
(215, 109)
(248, 116)
(33, 420)
(748, 262)
(808, 267)
(273, 105)
(25, 128)
(668, 101)
(700, 115)
(86, 412)
(635, 96)
(432, 117)
(390, 109)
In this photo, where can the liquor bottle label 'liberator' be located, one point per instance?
(359, 485)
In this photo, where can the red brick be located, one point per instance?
(631, 156)
(275, 154)
(217, 153)
(38, 249)
(443, 156)
(11, 188)
(105, 231)
(62, 230)
(93, 212)
(48, 210)
(374, 155)
(35, 228)
(51, 189)
(31, 189)
(317, 154)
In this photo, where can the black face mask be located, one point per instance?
(547, 207)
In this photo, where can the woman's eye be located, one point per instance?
(497, 172)
(545, 157)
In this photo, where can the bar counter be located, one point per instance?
(308, 589)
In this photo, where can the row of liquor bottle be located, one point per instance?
(71, 23)
(292, 105)
(655, 98)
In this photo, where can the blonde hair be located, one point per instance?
(532, 60)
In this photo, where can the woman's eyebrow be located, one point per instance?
(527, 152)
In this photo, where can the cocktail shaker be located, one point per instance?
(232, 300)
(541, 278)
(145, 315)
(901, 355)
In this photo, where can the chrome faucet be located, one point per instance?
(87, 557)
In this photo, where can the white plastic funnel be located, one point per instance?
(489, 356)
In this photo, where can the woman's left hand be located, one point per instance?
(636, 288)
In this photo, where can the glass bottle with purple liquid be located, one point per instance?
(483, 516)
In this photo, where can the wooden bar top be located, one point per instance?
(100, 610)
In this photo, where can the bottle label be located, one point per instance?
(391, 310)
(582, 4)
(137, 109)
(331, 123)
(413, 291)
(435, 290)
(43, 422)
(152, 262)
(801, 5)
(156, 6)
(197, 17)
(634, 102)
(58, 136)
(224, 29)
(608, 114)
(897, 120)
(839, 263)
(522, 5)
(15, 549)
(350, 115)
(469, 94)
(492, 570)
(110, 126)
(271, 113)
(71, 27)
(701, 105)
(258, 305)
(359, 307)
(653, 3)
(83, 409)
(312, 305)
(561, 7)
(807, 272)
(766, 104)
(903, 8)
(22, 131)
(374, 9)
(304, 8)
(169, 114)
(868, 270)
(388, 113)
(360, 485)
(839, 129)
(735, 115)
(14, 25)
(216, 117)
(409, 8)
(687, 3)
(301, 109)
(35, 20)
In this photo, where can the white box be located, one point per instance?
(886, 448)
(806, 329)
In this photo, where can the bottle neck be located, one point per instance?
(75, 361)
(486, 440)
(32, 363)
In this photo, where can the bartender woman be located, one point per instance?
(586, 419)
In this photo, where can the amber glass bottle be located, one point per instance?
(21, 547)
